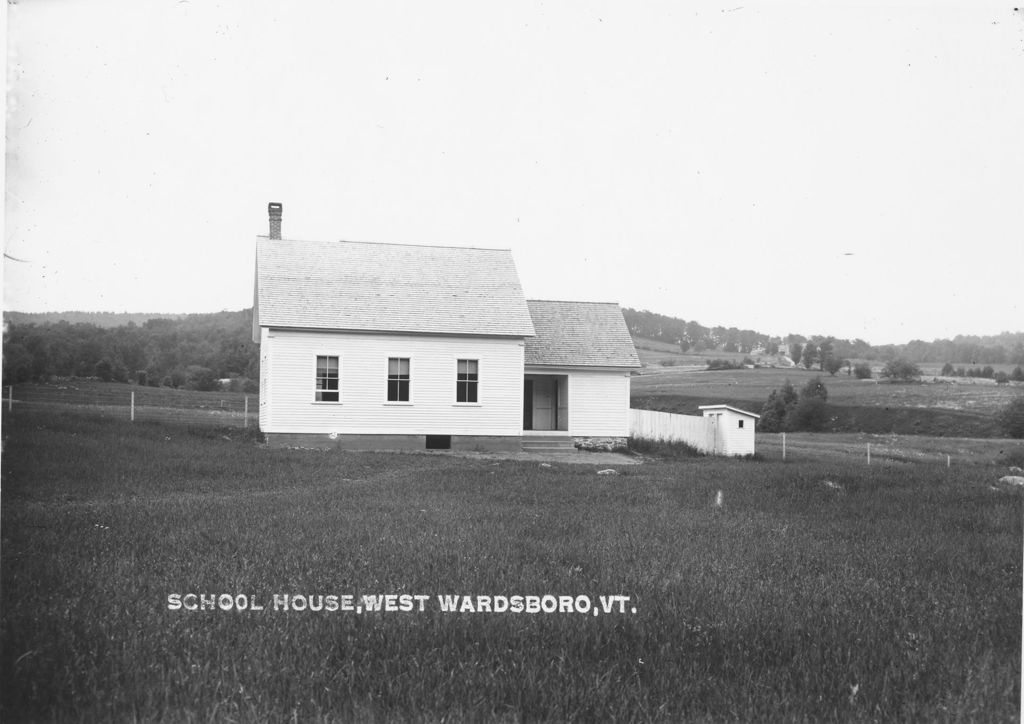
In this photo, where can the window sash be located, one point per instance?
(327, 379)
(398, 379)
(467, 380)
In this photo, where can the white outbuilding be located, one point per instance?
(732, 429)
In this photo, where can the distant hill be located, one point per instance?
(100, 319)
(692, 337)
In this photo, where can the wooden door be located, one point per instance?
(544, 404)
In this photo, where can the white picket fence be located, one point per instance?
(667, 427)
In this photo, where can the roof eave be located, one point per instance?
(349, 330)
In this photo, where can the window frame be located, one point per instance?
(317, 390)
(399, 380)
(459, 382)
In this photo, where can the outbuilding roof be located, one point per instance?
(346, 285)
(590, 334)
(729, 407)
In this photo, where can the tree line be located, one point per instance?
(691, 336)
(197, 350)
(193, 351)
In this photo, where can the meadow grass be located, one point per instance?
(964, 409)
(887, 593)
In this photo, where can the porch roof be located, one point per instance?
(579, 334)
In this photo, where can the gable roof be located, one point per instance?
(590, 334)
(347, 285)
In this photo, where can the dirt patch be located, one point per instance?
(577, 457)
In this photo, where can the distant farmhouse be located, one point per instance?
(391, 346)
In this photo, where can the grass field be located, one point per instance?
(654, 353)
(964, 409)
(852, 448)
(816, 591)
(114, 399)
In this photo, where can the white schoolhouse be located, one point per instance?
(371, 346)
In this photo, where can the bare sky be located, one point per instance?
(854, 169)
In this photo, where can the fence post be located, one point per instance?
(947, 461)
(245, 415)
(869, 453)
(133, 405)
(783, 447)
(10, 397)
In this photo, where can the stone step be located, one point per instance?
(548, 444)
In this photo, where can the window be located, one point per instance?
(398, 379)
(466, 380)
(741, 423)
(327, 379)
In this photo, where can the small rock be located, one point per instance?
(832, 486)
(545, 465)
(1017, 480)
(1015, 469)
(608, 471)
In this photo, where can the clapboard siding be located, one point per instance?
(737, 440)
(599, 404)
(730, 438)
(364, 408)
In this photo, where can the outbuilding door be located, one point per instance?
(716, 433)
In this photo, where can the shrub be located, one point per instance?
(777, 409)
(814, 388)
(862, 371)
(1018, 374)
(724, 364)
(901, 370)
(833, 365)
(773, 414)
(105, 370)
(809, 415)
(947, 370)
(1011, 418)
(1002, 378)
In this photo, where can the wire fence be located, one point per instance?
(136, 403)
(856, 449)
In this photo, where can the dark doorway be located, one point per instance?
(528, 405)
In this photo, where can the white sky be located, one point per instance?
(854, 169)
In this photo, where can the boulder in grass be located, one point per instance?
(1012, 481)
(609, 471)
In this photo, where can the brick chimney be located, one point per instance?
(275, 210)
